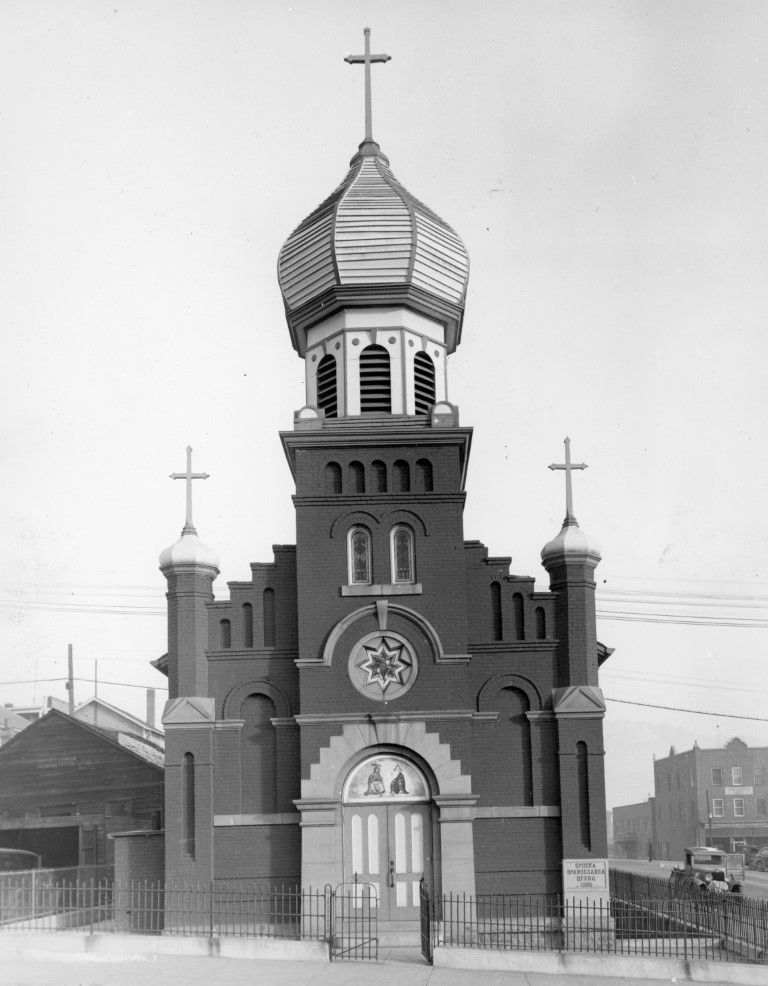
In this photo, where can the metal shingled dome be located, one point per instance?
(372, 243)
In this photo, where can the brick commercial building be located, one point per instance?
(711, 797)
(633, 830)
(383, 699)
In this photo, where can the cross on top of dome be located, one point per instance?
(368, 146)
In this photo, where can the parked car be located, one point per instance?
(701, 862)
(758, 860)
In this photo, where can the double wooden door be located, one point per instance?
(389, 846)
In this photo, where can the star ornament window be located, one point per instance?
(383, 666)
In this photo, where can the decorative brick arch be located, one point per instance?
(352, 517)
(237, 695)
(327, 774)
(495, 684)
(382, 609)
(400, 516)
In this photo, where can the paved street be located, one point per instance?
(755, 884)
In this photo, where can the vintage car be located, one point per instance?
(758, 859)
(701, 862)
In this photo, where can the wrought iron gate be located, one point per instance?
(426, 915)
(353, 909)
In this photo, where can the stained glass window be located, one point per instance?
(402, 555)
(359, 555)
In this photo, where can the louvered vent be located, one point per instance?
(424, 382)
(375, 381)
(327, 395)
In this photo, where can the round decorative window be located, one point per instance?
(383, 666)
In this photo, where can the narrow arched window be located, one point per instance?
(424, 476)
(582, 787)
(514, 781)
(401, 477)
(247, 625)
(356, 474)
(378, 476)
(332, 478)
(401, 545)
(225, 634)
(541, 624)
(268, 600)
(188, 805)
(496, 624)
(424, 382)
(375, 380)
(327, 390)
(359, 550)
(259, 754)
(517, 607)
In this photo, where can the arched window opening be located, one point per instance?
(541, 624)
(188, 805)
(424, 476)
(259, 754)
(225, 633)
(327, 391)
(401, 543)
(496, 624)
(332, 478)
(359, 544)
(378, 476)
(375, 381)
(268, 600)
(356, 474)
(517, 606)
(582, 781)
(247, 625)
(514, 781)
(424, 382)
(401, 477)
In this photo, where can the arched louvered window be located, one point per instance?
(424, 382)
(401, 546)
(496, 624)
(188, 805)
(327, 390)
(401, 477)
(225, 634)
(332, 478)
(247, 625)
(268, 600)
(356, 475)
(378, 477)
(359, 555)
(424, 476)
(541, 624)
(259, 754)
(375, 381)
(517, 607)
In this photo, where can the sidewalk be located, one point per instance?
(21, 964)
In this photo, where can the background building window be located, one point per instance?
(359, 556)
(717, 807)
(717, 776)
(737, 775)
(759, 773)
(760, 806)
(738, 807)
(402, 554)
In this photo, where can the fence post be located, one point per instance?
(91, 905)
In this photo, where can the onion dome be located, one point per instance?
(189, 550)
(371, 243)
(571, 545)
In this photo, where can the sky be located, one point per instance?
(605, 165)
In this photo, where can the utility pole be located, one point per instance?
(70, 680)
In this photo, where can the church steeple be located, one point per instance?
(374, 284)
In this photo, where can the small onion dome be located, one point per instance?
(571, 544)
(371, 243)
(189, 550)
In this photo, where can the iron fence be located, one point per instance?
(727, 928)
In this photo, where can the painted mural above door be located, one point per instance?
(383, 666)
(385, 778)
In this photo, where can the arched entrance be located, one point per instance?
(387, 839)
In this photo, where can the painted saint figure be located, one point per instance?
(397, 785)
(375, 782)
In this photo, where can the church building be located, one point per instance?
(383, 701)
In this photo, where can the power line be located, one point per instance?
(696, 712)
(88, 681)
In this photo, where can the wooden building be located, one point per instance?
(65, 786)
